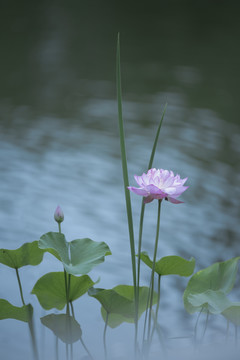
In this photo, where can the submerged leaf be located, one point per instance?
(232, 313)
(9, 311)
(119, 303)
(215, 301)
(51, 292)
(65, 327)
(27, 254)
(170, 265)
(84, 253)
(207, 289)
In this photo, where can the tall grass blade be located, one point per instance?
(124, 165)
(156, 138)
(126, 183)
(143, 205)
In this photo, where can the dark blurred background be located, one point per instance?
(59, 139)
(48, 48)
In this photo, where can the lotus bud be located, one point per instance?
(58, 215)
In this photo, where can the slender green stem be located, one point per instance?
(68, 290)
(67, 356)
(33, 338)
(68, 293)
(236, 335)
(71, 350)
(104, 336)
(141, 225)
(138, 266)
(159, 293)
(140, 242)
(67, 310)
(205, 327)
(20, 286)
(146, 316)
(227, 331)
(30, 321)
(56, 348)
(72, 309)
(81, 340)
(67, 296)
(83, 344)
(66, 279)
(85, 347)
(195, 328)
(157, 309)
(125, 180)
(143, 205)
(153, 268)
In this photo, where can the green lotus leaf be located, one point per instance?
(113, 302)
(207, 289)
(119, 303)
(65, 327)
(51, 292)
(9, 311)
(170, 265)
(84, 253)
(27, 254)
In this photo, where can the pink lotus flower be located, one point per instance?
(159, 184)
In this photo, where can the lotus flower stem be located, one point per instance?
(104, 336)
(56, 348)
(67, 352)
(20, 286)
(236, 336)
(82, 342)
(146, 316)
(138, 267)
(141, 223)
(153, 269)
(227, 331)
(85, 347)
(71, 351)
(72, 309)
(195, 327)
(33, 338)
(159, 293)
(68, 288)
(30, 322)
(205, 327)
(67, 292)
(157, 309)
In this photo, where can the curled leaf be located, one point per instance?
(170, 265)
(27, 254)
(78, 256)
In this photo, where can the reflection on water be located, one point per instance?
(53, 161)
(59, 145)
